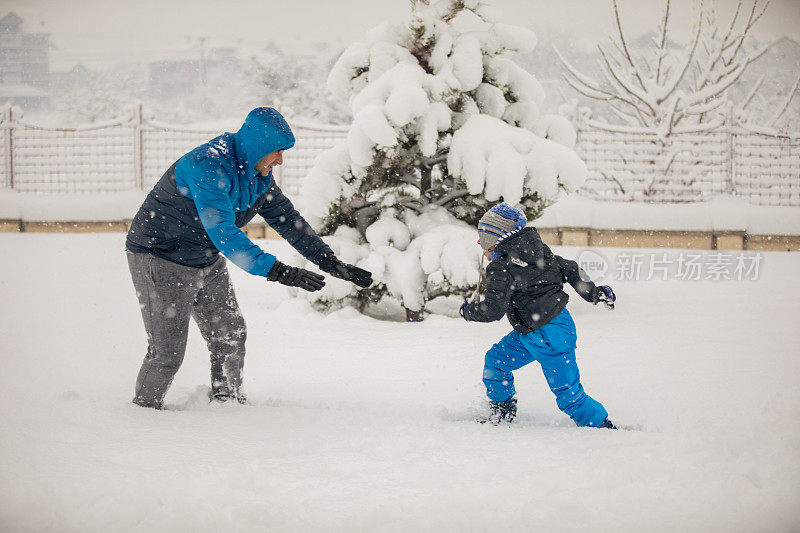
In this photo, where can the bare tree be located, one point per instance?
(104, 95)
(782, 109)
(294, 84)
(668, 85)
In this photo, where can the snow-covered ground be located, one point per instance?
(361, 425)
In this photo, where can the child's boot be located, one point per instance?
(608, 424)
(501, 412)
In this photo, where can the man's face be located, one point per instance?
(264, 166)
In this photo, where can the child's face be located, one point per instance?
(487, 253)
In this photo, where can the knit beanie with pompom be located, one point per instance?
(498, 222)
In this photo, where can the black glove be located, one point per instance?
(606, 295)
(295, 277)
(334, 267)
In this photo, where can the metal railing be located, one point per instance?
(625, 164)
(130, 152)
(631, 164)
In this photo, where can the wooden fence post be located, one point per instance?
(8, 119)
(731, 185)
(138, 149)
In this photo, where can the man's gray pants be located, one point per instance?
(168, 295)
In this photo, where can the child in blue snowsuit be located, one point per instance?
(524, 282)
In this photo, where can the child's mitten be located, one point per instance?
(607, 296)
(461, 309)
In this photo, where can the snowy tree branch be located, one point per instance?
(663, 42)
(617, 77)
(625, 46)
(786, 104)
(750, 22)
(686, 63)
(753, 91)
(449, 197)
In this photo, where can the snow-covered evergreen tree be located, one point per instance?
(445, 124)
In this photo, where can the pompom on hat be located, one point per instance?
(498, 222)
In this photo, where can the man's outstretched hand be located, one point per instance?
(334, 267)
(296, 277)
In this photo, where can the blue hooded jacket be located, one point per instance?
(197, 208)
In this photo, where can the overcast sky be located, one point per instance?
(97, 32)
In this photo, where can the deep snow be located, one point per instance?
(363, 425)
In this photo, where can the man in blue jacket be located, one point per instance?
(193, 213)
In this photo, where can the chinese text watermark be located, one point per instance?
(682, 266)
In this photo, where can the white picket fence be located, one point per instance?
(624, 164)
(127, 153)
(629, 164)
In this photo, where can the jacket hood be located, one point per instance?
(264, 131)
(523, 245)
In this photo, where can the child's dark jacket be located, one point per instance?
(526, 283)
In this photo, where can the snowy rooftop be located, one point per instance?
(27, 20)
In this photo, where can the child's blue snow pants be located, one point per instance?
(553, 345)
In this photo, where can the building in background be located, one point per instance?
(199, 64)
(24, 63)
(69, 80)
